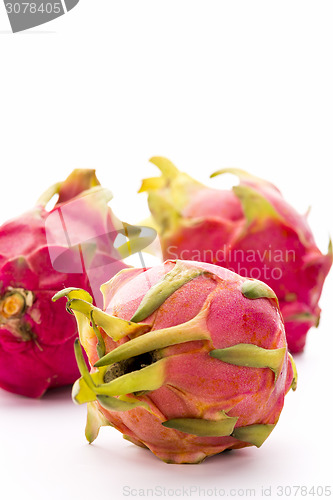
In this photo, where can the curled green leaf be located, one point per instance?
(82, 365)
(114, 327)
(172, 281)
(95, 420)
(150, 378)
(100, 347)
(118, 404)
(255, 206)
(255, 289)
(252, 356)
(73, 293)
(223, 426)
(158, 339)
(81, 393)
(293, 385)
(254, 434)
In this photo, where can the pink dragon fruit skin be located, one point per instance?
(251, 230)
(36, 336)
(189, 359)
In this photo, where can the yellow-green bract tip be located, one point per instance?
(73, 293)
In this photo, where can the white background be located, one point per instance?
(208, 84)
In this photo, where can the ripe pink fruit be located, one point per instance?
(251, 230)
(190, 359)
(36, 260)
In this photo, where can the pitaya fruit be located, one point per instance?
(42, 252)
(251, 230)
(189, 359)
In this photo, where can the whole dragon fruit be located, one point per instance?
(251, 230)
(42, 252)
(189, 359)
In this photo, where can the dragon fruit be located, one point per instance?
(42, 252)
(189, 359)
(251, 230)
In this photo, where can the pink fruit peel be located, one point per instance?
(189, 359)
(251, 230)
(36, 336)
